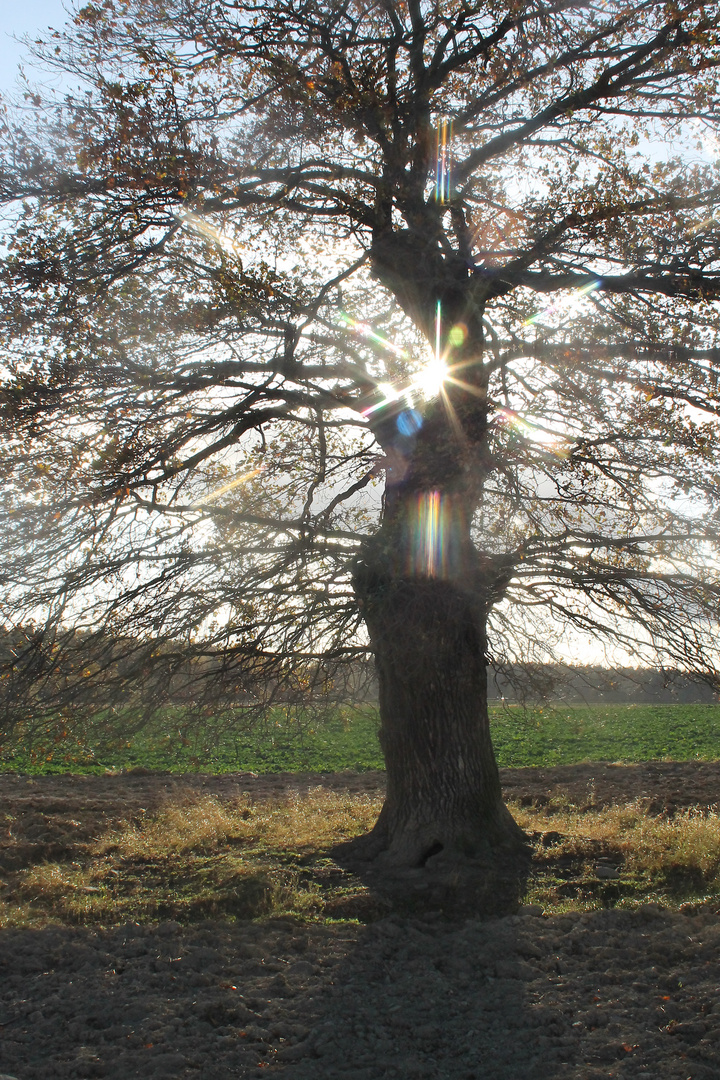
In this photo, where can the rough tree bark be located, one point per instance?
(425, 591)
(443, 787)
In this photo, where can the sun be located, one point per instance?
(431, 379)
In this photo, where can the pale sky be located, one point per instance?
(18, 17)
(32, 17)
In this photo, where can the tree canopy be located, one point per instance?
(309, 301)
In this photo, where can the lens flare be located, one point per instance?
(442, 176)
(430, 380)
(365, 330)
(458, 335)
(427, 549)
(194, 223)
(702, 225)
(555, 307)
(559, 445)
(427, 383)
(389, 396)
(227, 487)
(409, 422)
(438, 329)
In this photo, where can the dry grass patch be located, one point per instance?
(201, 857)
(308, 823)
(196, 858)
(622, 854)
(311, 822)
(176, 829)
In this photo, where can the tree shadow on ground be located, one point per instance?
(571, 997)
(451, 884)
(393, 999)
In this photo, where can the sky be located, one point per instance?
(33, 17)
(18, 17)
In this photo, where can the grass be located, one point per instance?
(195, 858)
(346, 739)
(201, 858)
(621, 856)
(198, 857)
(567, 735)
(561, 735)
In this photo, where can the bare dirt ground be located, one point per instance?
(612, 993)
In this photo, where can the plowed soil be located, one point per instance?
(601, 994)
(98, 801)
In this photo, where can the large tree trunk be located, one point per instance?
(426, 592)
(444, 801)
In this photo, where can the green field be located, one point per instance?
(548, 736)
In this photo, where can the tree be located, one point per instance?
(281, 370)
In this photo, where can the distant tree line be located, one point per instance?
(50, 688)
(593, 684)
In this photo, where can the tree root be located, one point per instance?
(418, 871)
